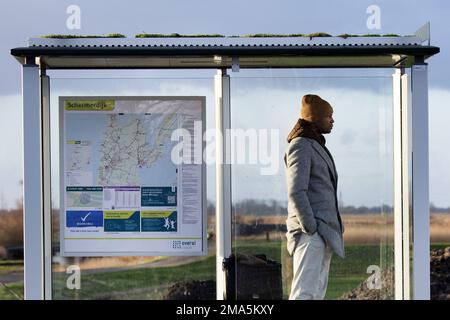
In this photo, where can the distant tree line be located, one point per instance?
(253, 207)
(273, 207)
(435, 209)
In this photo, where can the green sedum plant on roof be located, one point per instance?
(346, 35)
(177, 35)
(76, 36)
(271, 35)
(214, 35)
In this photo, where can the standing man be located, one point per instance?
(314, 225)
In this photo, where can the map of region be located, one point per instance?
(131, 144)
(124, 149)
(80, 155)
(84, 199)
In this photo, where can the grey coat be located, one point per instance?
(312, 202)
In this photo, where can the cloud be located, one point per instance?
(360, 141)
(439, 137)
(11, 153)
(364, 161)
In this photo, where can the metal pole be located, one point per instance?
(406, 184)
(32, 187)
(420, 182)
(401, 185)
(46, 176)
(398, 187)
(223, 177)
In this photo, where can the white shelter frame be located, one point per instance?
(411, 177)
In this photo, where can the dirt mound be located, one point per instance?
(374, 288)
(439, 281)
(440, 274)
(192, 290)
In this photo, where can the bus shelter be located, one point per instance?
(404, 57)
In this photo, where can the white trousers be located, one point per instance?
(311, 267)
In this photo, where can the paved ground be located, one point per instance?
(11, 277)
(167, 262)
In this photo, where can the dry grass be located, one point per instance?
(440, 228)
(368, 229)
(359, 229)
(363, 229)
(107, 263)
(11, 228)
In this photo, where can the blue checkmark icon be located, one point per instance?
(85, 217)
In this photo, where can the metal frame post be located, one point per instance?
(401, 185)
(32, 187)
(223, 177)
(46, 184)
(398, 190)
(420, 181)
(406, 184)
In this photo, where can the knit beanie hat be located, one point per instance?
(314, 108)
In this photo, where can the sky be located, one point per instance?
(20, 20)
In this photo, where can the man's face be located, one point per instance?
(325, 124)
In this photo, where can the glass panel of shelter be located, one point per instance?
(265, 105)
(128, 276)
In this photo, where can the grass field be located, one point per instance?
(152, 283)
(8, 266)
(345, 274)
(363, 236)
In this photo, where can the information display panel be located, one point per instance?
(130, 182)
